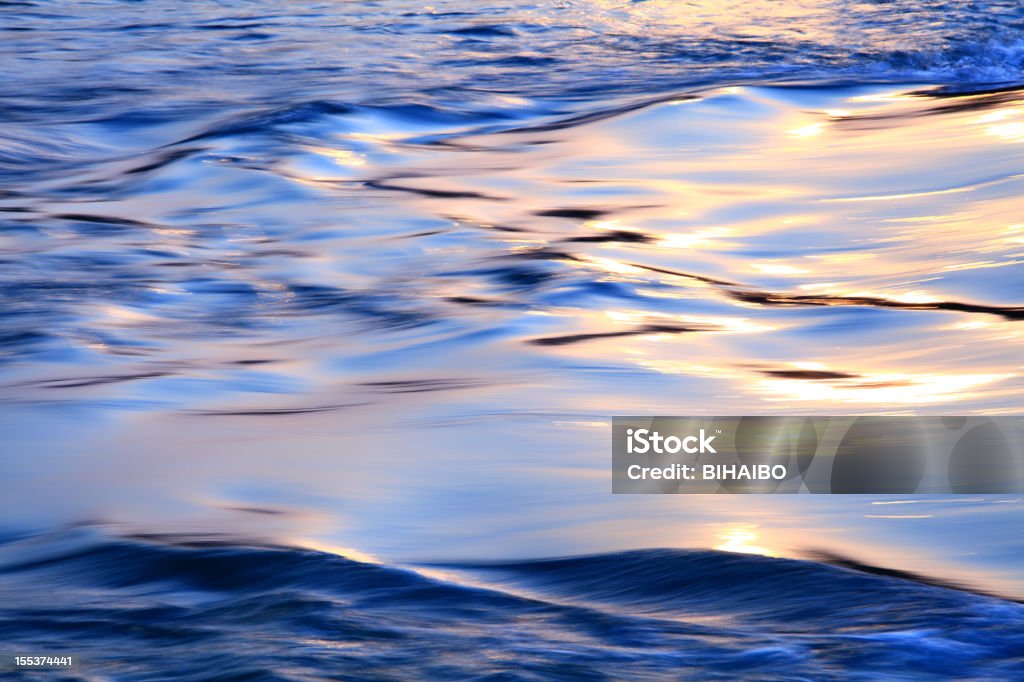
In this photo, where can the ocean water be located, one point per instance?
(313, 318)
(201, 610)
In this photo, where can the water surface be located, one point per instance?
(370, 279)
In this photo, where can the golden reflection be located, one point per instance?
(883, 97)
(881, 389)
(839, 196)
(706, 239)
(612, 266)
(834, 289)
(1014, 132)
(603, 224)
(715, 17)
(979, 265)
(342, 157)
(809, 130)
(906, 195)
(343, 552)
(741, 538)
(720, 324)
(779, 269)
(1000, 124)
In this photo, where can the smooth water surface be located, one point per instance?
(371, 278)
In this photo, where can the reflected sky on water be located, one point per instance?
(267, 300)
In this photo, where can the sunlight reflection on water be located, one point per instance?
(402, 325)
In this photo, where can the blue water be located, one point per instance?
(201, 609)
(313, 318)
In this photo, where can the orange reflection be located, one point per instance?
(871, 224)
(741, 538)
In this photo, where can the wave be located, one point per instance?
(579, 49)
(139, 607)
